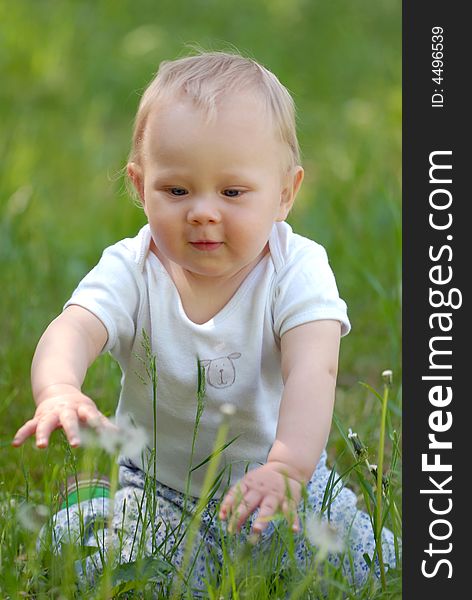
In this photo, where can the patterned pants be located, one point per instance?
(138, 528)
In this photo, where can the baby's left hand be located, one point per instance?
(267, 488)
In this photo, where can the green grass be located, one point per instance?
(72, 73)
(151, 572)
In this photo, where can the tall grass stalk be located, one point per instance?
(380, 498)
(110, 552)
(208, 482)
(151, 369)
(200, 408)
(380, 460)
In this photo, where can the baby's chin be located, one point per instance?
(215, 274)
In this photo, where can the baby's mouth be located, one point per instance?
(206, 245)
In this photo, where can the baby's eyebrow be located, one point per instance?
(169, 178)
(226, 178)
(170, 174)
(235, 172)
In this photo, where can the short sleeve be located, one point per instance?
(111, 292)
(305, 290)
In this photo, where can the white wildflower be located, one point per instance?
(134, 439)
(228, 409)
(127, 438)
(31, 516)
(358, 446)
(373, 469)
(387, 376)
(324, 536)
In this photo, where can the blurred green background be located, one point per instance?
(72, 73)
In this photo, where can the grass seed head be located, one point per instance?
(359, 448)
(387, 376)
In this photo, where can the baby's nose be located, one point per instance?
(202, 211)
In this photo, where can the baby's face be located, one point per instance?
(212, 191)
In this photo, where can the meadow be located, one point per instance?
(72, 73)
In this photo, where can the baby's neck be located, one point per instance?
(204, 297)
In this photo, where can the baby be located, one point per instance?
(215, 275)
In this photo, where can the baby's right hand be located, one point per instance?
(65, 407)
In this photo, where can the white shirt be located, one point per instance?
(130, 291)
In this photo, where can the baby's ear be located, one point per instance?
(289, 192)
(135, 173)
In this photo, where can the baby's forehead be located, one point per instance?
(235, 105)
(241, 117)
(234, 117)
(237, 133)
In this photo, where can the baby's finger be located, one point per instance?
(45, 427)
(269, 506)
(70, 423)
(89, 415)
(245, 508)
(92, 417)
(232, 498)
(24, 432)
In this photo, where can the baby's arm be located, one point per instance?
(65, 351)
(309, 369)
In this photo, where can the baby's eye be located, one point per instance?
(177, 191)
(232, 193)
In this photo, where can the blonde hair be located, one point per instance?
(209, 76)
